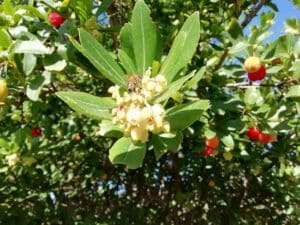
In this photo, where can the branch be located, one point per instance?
(248, 19)
(246, 85)
(252, 13)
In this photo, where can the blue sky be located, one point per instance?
(286, 10)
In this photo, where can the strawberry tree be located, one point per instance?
(107, 117)
(143, 85)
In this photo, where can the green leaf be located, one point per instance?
(127, 62)
(33, 90)
(4, 144)
(104, 6)
(228, 141)
(91, 106)
(32, 47)
(32, 10)
(54, 63)
(99, 57)
(183, 48)
(292, 26)
(8, 8)
(263, 36)
(144, 36)
(29, 62)
(296, 69)
(240, 46)
(83, 9)
(5, 40)
(163, 143)
(126, 41)
(297, 3)
(253, 96)
(125, 152)
(294, 92)
(5, 20)
(193, 82)
(235, 29)
(182, 116)
(173, 88)
(108, 129)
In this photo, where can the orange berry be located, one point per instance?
(213, 142)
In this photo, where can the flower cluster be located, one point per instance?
(134, 113)
(12, 159)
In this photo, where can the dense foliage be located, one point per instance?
(231, 154)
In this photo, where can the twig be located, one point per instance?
(252, 13)
(248, 19)
(246, 85)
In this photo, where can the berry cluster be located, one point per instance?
(211, 144)
(134, 113)
(254, 134)
(255, 70)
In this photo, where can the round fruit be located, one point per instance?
(55, 19)
(36, 132)
(208, 151)
(211, 184)
(3, 90)
(253, 133)
(227, 156)
(213, 142)
(266, 138)
(252, 64)
(258, 75)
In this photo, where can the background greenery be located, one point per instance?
(65, 176)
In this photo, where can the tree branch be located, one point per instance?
(249, 16)
(252, 13)
(246, 85)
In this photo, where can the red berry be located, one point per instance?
(36, 132)
(208, 151)
(55, 19)
(259, 75)
(266, 138)
(253, 133)
(213, 142)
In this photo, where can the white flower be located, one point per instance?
(114, 90)
(134, 116)
(12, 159)
(134, 113)
(139, 134)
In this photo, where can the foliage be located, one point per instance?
(70, 174)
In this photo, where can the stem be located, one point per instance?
(246, 85)
(253, 11)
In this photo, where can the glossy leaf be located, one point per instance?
(173, 88)
(91, 106)
(294, 92)
(127, 62)
(125, 152)
(182, 116)
(108, 129)
(164, 142)
(5, 39)
(29, 62)
(99, 57)
(34, 89)
(144, 37)
(32, 47)
(183, 48)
